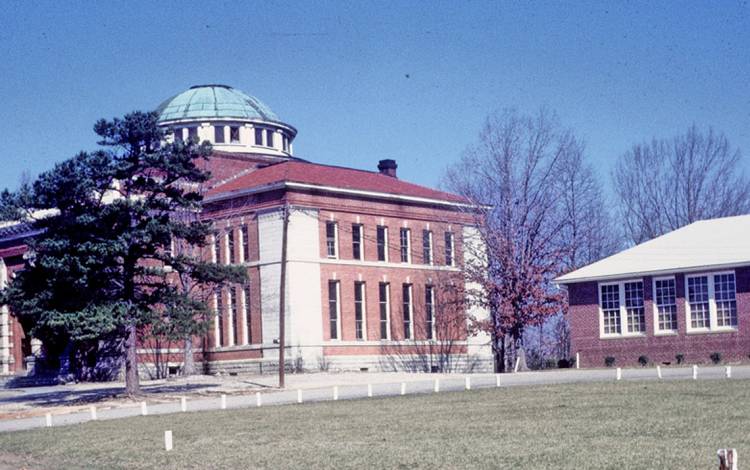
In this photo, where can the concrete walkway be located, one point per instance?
(352, 386)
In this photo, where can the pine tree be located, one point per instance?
(102, 264)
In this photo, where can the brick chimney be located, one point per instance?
(388, 167)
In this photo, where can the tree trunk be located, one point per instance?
(188, 367)
(132, 385)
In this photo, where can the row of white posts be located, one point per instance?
(436, 389)
(728, 372)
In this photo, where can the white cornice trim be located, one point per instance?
(336, 190)
(658, 272)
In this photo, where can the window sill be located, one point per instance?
(715, 330)
(666, 333)
(623, 336)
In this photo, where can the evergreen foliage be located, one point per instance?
(103, 263)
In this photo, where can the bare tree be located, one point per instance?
(535, 192)
(668, 183)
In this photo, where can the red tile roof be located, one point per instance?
(332, 176)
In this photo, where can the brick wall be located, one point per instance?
(696, 347)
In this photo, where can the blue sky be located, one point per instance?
(369, 80)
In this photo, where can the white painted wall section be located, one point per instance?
(475, 252)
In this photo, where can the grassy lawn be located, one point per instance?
(676, 425)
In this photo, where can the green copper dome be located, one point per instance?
(214, 102)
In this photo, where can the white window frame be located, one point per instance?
(217, 323)
(245, 315)
(430, 261)
(411, 311)
(433, 332)
(244, 232)
(657, 331)
(408, 245)
(712, 311)
(337, 283)
(361, 229)
(335, 239)
(363, 293)
(623, 310)
(387, 311)
(385, 240)
(452, 248)
(231, 299)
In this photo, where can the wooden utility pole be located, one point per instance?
(282, 292)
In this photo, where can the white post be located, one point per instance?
(183, 404)
(257, 399)
(93, 413)
(695, 372)
(369, 390)
(299, 395)
(658, 371)
(403, 388)
(144, 408)
(437, 385)
(167, 440)
(729, 372)
(223, 402)
(497, 380)
(335, 393)
(468, 383)
(578, 361)
(619, 374)
(48, 420)
(518, 363)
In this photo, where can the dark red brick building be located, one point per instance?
(373, 267)
(686, 293)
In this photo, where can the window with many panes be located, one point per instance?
(405, 239)
(357, 237)
(258, 136)
(665, 304)
(230, 246)
(233, 324)
(726, 301)
(269, 137)
(385, 309)
(193, 133)
(245, 234)
(427, 246)
(712, 301)
(382, 242)
(216, 248)
(634, 307)
(333, 309)
(248, 309)
(406, 310)
(429, 307)
(610, 304)
(331, 240)
(359, 311)
(219, 332)
(449, 257)
(177, 134)
(698, 295)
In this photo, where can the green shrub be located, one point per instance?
(643, 361)
(715, 357)
(609, 361)
(680, 358)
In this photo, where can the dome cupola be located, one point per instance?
(230, 119)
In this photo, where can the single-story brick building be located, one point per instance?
(682, 296)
